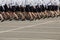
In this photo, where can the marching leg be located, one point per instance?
(2, 19)
(21, 15)
(52, 14)
(15, 15)
(31, 16)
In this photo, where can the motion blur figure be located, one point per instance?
(54, 8)
(7, 9)
(1, 15)
(20, 9)
(13, 9)
(2, 2)
(28, 9)
(59, 9)
(45, 3)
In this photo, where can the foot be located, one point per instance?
(2, 20)
(10, 19)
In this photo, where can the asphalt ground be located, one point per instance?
(43, 29)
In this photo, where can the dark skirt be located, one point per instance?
(38, 9)
(53, 7)
(42, 8)
(17, 8)
(31, 8)
(56, 8)
(10, 8)
(6, 8)
(21, 9)
(35, 10)
(49, 7)
(1, 9)
(13, 9)
(27, 8)
(46, 8)
(59, 8)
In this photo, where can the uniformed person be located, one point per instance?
(37, 9)
(33, 8)
(27, 9)
(2, 3)
(6, 7)
(21, 9)
(30, 9)
(45, 3)
(1, 16)
(42, 9)
(56, 8)
(13, 9)
(53, 8)
(50, 9)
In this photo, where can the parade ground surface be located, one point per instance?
(43, 29)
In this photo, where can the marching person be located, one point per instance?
(56, 4)
(29, 6)
(40, 2)
(22, 8)
(6, 7)
(34, 9)
(1, 16)
(13, 9)
(53, 8)
(2, 13)
(42, 9)
(59, 9)
(27, 9)
(39, 11)
(9, 13)
(50, 9)
(45, 3)
(36, 3)
(18, 9)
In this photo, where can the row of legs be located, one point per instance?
(28, 15)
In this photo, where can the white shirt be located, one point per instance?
(40, 2)
(59, 2)
(55, 2)
(46, 2)
(0, 2)
(13, 2)
(27, 2)
(33, 2)
(3, 2)
(8, 2)
(19, 2)
(23, 3)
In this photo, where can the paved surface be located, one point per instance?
(44, 29)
